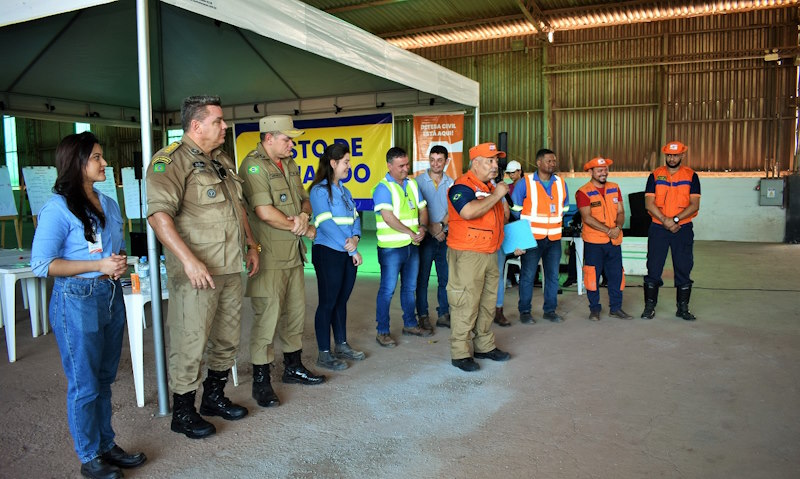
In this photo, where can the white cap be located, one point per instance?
(513, 166)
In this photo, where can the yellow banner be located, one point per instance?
(368, 136)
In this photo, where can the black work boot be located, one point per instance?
(214, 402)
(295, 372)
(185, 419)
(262, 387)
(683, 294)
(650, 300)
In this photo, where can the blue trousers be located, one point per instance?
(607, 261)
(550, 254)
(501, 284)
(432, 251)
(88, 319)
(403, 261)
(336, 276)
(659, 241)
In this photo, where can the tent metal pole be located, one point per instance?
(477, 124)
(146, 113)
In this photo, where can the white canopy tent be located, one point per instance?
(69, 59)
(282, 54)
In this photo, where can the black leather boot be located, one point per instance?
(214, 402)
(185, 419)
(98, 468)
(262, 387)
(650, 300)
(682, 296)
(295, 372)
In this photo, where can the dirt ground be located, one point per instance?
(717, 398)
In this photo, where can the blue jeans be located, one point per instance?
(501, 284)
(405, 262)
(431, 250)
(606, 259)
(88, 319)
(550, 254)
(336, 276)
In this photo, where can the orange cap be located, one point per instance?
(674, 148)
(486, 150)
(597, 162)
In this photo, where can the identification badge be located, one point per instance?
(97, 245)
(552, 208)
(411, 204)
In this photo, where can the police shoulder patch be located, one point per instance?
(253, 169)
(162, 160)
(159, 167)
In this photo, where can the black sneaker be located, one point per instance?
(495, 355)
(466, 364)
(526, 318)
(553, 317)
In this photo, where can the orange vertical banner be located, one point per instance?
(446, 130)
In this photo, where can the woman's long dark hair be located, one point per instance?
(335, 151)
(72, 155)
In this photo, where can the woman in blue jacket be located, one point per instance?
(79, 240)
(334, 254)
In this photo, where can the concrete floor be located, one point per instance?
(717, 398)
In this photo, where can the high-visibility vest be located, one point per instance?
(545, 212)
(603, 211)
(673, 192)
(391, 238)
(482, 235)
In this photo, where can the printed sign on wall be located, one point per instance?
(446, 130)
(368, 136)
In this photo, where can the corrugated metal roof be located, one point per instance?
(423, 23)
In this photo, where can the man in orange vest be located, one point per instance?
(603, 214)
(541, 198)
(672, 197)
(477, 215)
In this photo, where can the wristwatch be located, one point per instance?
(676, 220)
(256, 246)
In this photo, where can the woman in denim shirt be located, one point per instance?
(334, 254)
(79, 241)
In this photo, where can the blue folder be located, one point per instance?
(518, 235)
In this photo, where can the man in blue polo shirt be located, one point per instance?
(433, 184)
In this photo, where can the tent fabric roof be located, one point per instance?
(244, 51)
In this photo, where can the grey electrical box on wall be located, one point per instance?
(771, 192)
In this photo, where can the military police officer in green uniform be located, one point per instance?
(195, 206)
(280, 208)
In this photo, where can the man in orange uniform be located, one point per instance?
(672, 197)
(476, 213)
(600, 204)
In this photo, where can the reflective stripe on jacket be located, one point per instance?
(673, 192)
(387, 236)
(545, 212)
(603, 211)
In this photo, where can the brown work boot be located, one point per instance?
(500, 318)
(416, 331)
(385, 340)
(425, 323)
